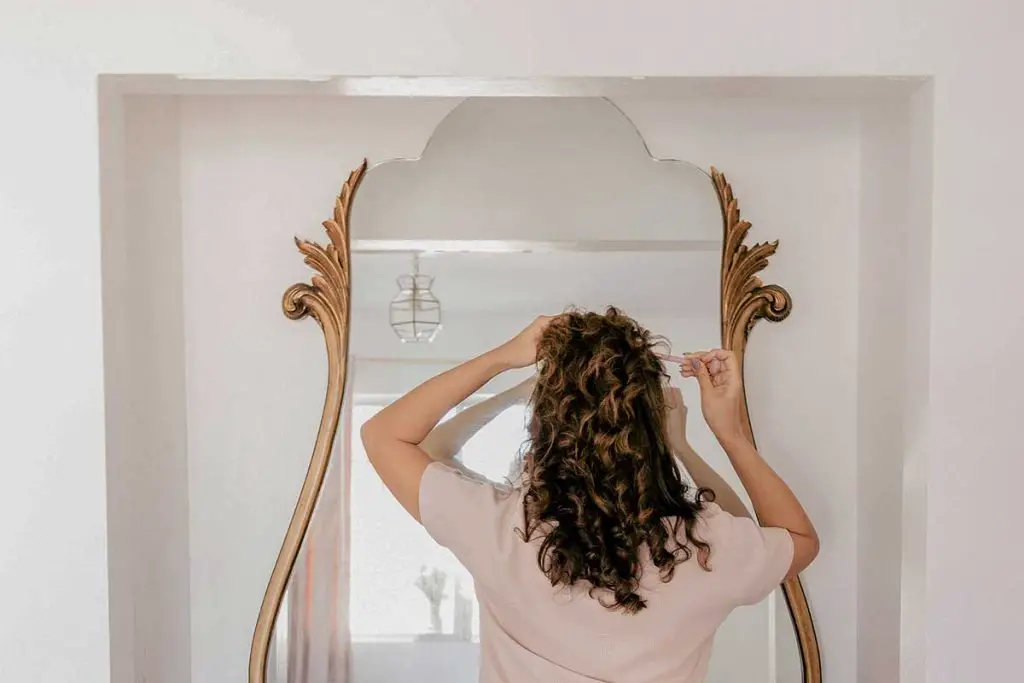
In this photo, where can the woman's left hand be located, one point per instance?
(521, 350)
(675, 417)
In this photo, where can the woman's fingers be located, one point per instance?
(690, 360)
(720, 364)
(726, 358)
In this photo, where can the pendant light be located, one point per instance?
(415, 313)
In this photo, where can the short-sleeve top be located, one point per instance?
(531, 631)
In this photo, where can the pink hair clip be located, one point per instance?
(671, 359)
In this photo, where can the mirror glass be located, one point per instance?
(517, 207)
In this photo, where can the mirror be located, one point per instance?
(517, 207)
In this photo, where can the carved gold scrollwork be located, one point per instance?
(326, 299)
(746, 300)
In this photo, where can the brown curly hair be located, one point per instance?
(600, 479)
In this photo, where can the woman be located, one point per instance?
(602, 564)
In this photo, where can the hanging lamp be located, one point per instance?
(415, 313)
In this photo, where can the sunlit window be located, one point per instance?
(397, 570)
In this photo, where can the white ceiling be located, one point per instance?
(640, 283)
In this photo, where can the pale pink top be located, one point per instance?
(531, 632)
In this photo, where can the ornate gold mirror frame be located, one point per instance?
(745, 299)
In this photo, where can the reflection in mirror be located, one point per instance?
(518, 207)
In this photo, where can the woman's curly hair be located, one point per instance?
(600, 479)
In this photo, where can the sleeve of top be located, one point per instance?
(460, 510)
(755, 558)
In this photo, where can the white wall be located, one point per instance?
(147, 469)
(121, 529)
(514, 185)
(255, 174)
(972, 425)
(883, 250)
(811, 155)
(255, 171)
(51, 337)
(917, 375)
(438, 661)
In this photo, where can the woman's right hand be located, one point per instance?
(721, 390)
(521, 350)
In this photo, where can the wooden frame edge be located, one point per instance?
(327, 300)
(745, 299)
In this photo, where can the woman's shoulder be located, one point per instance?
(717, 525)
(711, 511)
(710, 514)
